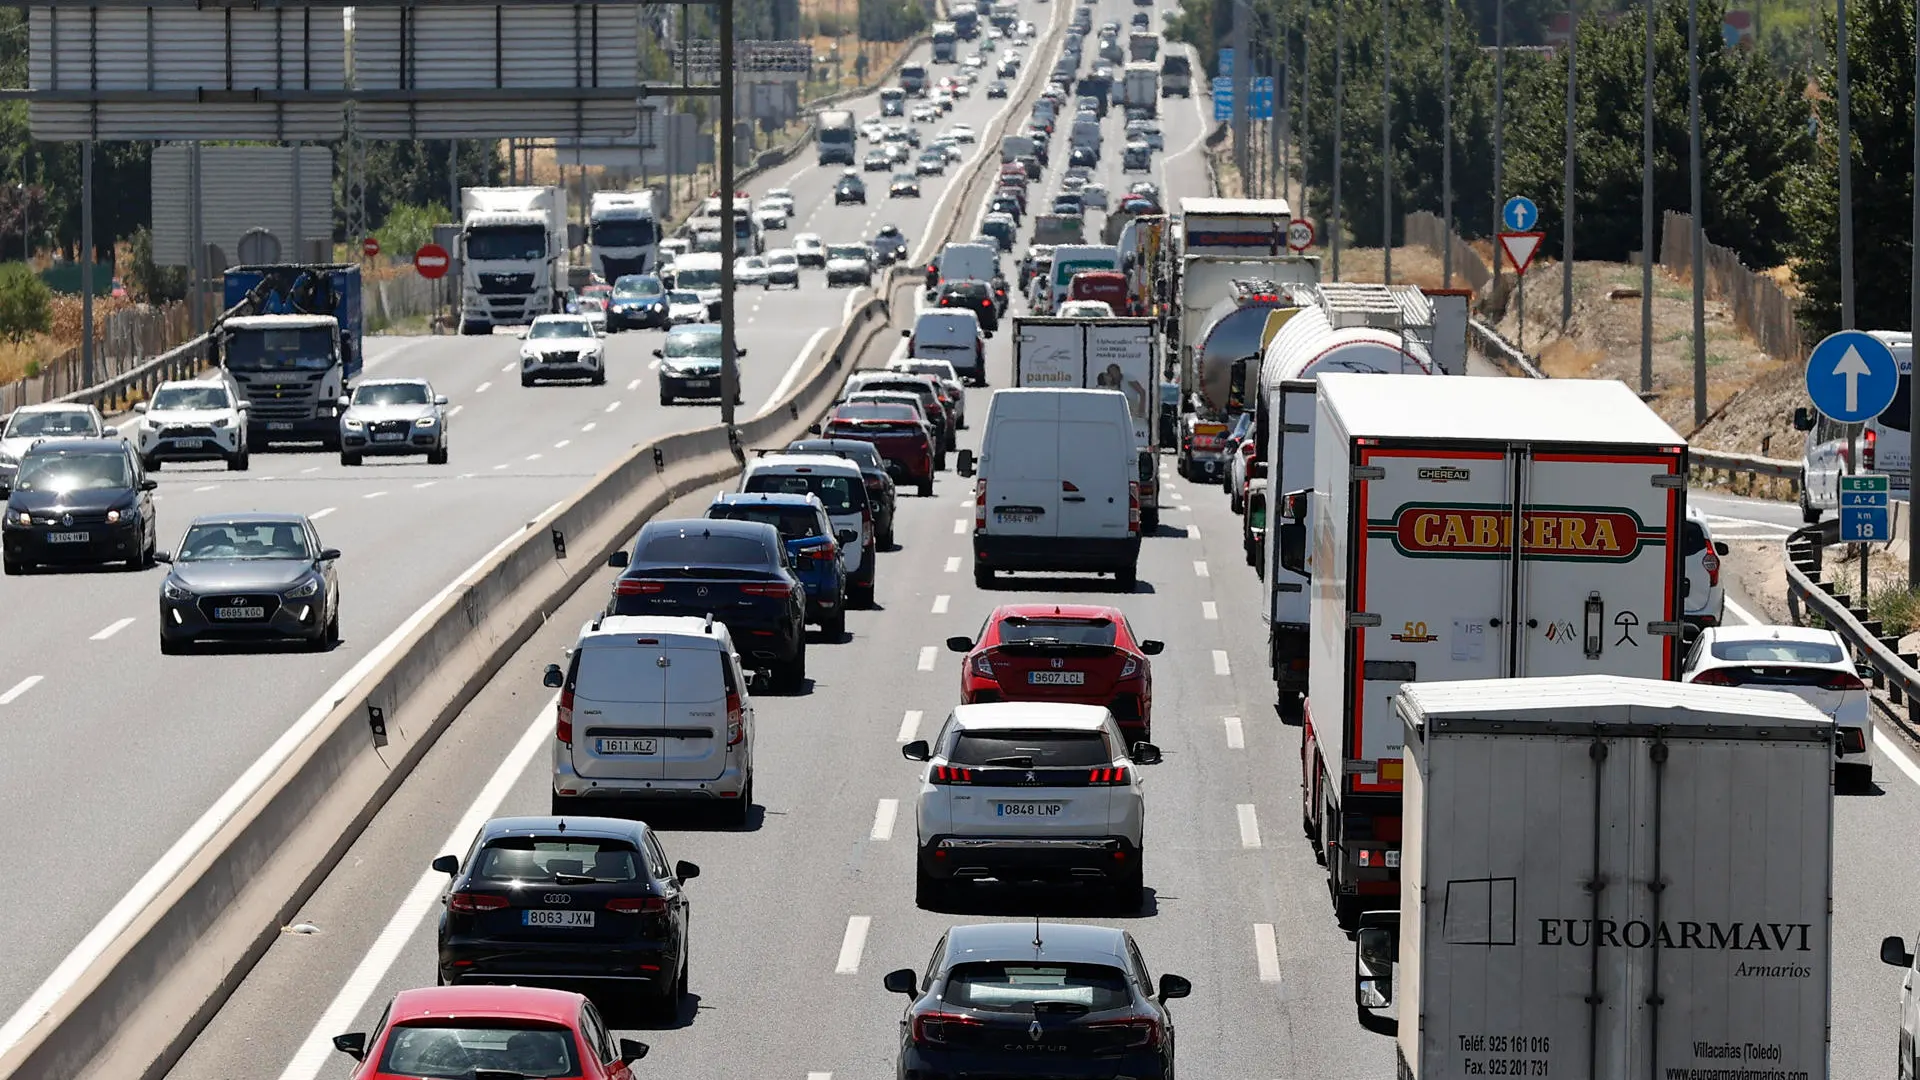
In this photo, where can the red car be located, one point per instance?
(1078, 653)
(896, 431)
(473, 1030)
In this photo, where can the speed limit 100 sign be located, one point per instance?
(1299, 236)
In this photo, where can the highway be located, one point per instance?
(107, 747)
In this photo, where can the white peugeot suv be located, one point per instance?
(1019, 791)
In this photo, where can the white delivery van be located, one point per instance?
(698, 272)
(1055, 486)
(953, 335)
(1884, 443)
(1607, 878)
(652, 708)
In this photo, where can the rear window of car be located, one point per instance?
(836, 492)
(794, 522)
(1019, 628)
(450, 1048)
(1018, 987)
(1778, 652)
(1692, 538)
(543, 858)
(1030, 749)
(705, 550)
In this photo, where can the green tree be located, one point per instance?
(891, 20)
(26, 304)
(408, 228)
(1880, 63)
(149, 282)
(415, 173)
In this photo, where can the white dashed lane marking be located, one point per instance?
(1220, 664)
(20, 688)
(883, 816)
(927, 654)
(113, 628)
(323, 512)
(852, 945)
(1236, 737)
(1249, 826)
(909, 725)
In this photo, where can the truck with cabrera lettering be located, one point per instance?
(1604, 878)
(1467, 529)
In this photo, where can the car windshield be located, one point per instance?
(449, 1049)
(875, 410)
(25, 425)
(61, 473)
(793, 522)
(393, 394)
(684, 342)
(305, 348)
(545, 858)
(560, 328)
(700, 278)
(677, 297)
(782, 259)
(1018, 987)
(628, 288)
(1018, 629)
(590, 303)
(1778, 652)
(852, 252)
(1030, 749)
(835, 492)
(184, 398)
(752, 262)
(245, 540)
(704, 549)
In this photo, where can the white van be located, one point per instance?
(1056, 486)
(968, 262)
(699, 272)
(843, 491)
(953, 335)
(1885, 445)
(652, 708)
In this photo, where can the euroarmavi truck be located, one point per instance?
(1246, 227)
(834, 135)
(1100, 354)
(1467, 529)
(624, 231)
(1140, 88)
(298, 356)
(1605, 878)
(514, 255)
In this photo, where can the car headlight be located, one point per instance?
(301, 592)
(172, 590)
(425, 421)
(352, 424)
(115, 517)
(8, 460)
(23, 518)
(220, 423)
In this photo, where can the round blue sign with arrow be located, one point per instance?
(1852, 376)
(1520, 214)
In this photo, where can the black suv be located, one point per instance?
(976, 296)
(79, 502)
(850, 189)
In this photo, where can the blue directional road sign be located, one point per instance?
(1520, 214)
(1260, 98)
(1852, 376)
(1222, 99)
(1863, 509)
(1226, 62)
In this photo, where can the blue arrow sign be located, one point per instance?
(1260, 98)
(1222, 99)
(1226, 62)
(1852, 376)
(1520, 214)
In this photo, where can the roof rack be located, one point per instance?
(1348, 303)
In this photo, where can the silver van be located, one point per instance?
(652, 708)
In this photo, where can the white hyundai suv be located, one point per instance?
(1020, 791)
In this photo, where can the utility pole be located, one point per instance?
(1566, 202)
(1243, 65)
(1913, 405)
(1386, 141)
(1844, 102)
(1646, 205)
(1446, 142)
(1499, 121)
(729, 362)
(1697, 235)
(1339, 98)
(86, 264)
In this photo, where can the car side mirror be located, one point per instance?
(1174, 986)
(960, 644)
(1144, 753)
(139, 406)
(163, 557)
(1293, 546)
(685, 870)
(1720, 547)
(917, 750)
(245, 405)
(1375, 949)
(440, 399)
(632, 1050)
(522, 335)
(987, 334)
(149, 484)
(846, 536)
(344, 401)
(353, 1044)
(1894, 951)
(1690, 633)
(739, 351)
(553, 678)
(1866, 671)
(965, 463)
(903, 981)
(813, 429)
(1803, 419)
(447, 864)
(659, 354)
(617, 559)
(1153, 648)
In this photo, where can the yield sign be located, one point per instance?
(1520, 248)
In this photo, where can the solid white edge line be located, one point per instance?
(852, 945)
(9, 698)
(883, 816)
(927, 654)
(136, 899)
(1236, 733)
(1266, 952)
(317, 1051)
(112, 628)
(1249, 825)
(909, 725)
(1741, 613)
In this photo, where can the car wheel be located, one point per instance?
(1129, 886)
(170, 647)
(1127, 577)
(1150, 520)
(666, 398)
(983, 577)
(926, 488)
(737, 812)
(835, 625)
(1808, 513)
(791, 675)
(929, 892)
(886, 537)
(437, 457)
(349, 460)
(238, 462)
(333, 628)
(151, 464)
(860, 594)
(564, 805)
(1235, 503)
(13, 567)
(526, 380)
(940, 463)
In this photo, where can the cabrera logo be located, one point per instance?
(1467, 531)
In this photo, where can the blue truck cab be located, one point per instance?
(297, 354)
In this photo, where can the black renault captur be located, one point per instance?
(79, 502)
(568, 902)
(1031, 999)
(739, 572)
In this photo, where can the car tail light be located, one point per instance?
(736, 719)
(472, 903)
(1718, 677)
(980, 504)
(983, 667)
(1843, 680)
(636, 587)
(1136, 1032)
(1131, 669)
(1853, 740)
(563, 718)
(1133, 507)
(638, 905)
(1711, 562)
(932, 1027)
(1108, 776)
(767, 588)
(950, 774)
(823, 554)
(1868, 444)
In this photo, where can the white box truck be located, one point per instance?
(1140, 87)
(514, 255)
(1468, 529)
(624, 230)
(1213, 226)
(1607, 878)
(1100, 354)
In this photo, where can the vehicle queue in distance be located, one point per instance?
(1033, 777)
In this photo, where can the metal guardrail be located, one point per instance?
(178, 362)
(1500, 352)
(1895, 671)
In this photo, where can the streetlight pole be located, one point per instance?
(729, 362)
(1339, 98)
(1566, 203)
(1913, 400)
(1446, 142)
(1697, 238)
(1646, 205)
(1499, 122)
(1386, 141)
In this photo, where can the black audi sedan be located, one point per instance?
(737, 571)
(79, 502)
(1035, 999)
(569, 902)
(250, 577)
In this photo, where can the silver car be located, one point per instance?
(393, 417)
(30, 424)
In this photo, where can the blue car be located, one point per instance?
(808, 534)
(639, 302)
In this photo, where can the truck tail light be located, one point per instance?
(563, 718)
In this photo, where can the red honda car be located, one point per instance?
(503, 1030)
(1078, 653)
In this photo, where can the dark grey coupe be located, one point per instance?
(250, 577)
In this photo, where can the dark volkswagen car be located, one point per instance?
(79, 502)
(1033, 999)
(250, 577)
(737, 571)
(881, 490)
(571, 903)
